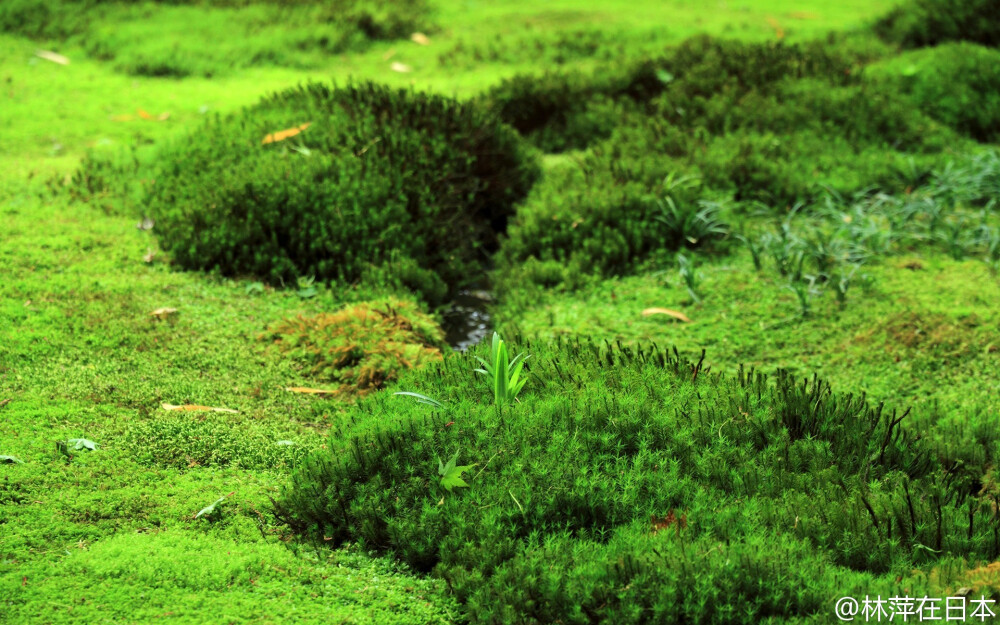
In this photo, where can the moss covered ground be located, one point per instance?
(865, 252)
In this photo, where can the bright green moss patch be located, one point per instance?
(174, 577)
(168, 39)
(926, 335)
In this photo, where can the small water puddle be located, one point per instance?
(467, 322)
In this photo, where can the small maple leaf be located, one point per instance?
(670, 519)
(451, 475)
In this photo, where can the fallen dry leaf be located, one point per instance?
(666, 311)
(281, 135)
(402, 68)
(52, 56)
(670, 519)
(149, 255)
(145, 115)
(779, 32)
(420, 38)
(163, 313)
(4, 402)
(196, 408)
(388, 55)
(312, 391)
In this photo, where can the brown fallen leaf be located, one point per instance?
(197, 408)
(281, 135)
(420, 38)
(52, 56)
(149, 255)
(146, 115)
(311, 391)
(402, 68)
(779, 32)
(163, 313)
(666, 311)
(670, 519)
(4, 402)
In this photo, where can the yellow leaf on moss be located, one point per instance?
(281, 135)
(312, 391)
(196, 408)
(48, 55)
(163, 313)
(779, 32)
(147, 115)
(666, 311)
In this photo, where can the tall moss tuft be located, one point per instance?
(630, 485)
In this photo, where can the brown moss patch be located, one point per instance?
(362, 347)
(932, 331)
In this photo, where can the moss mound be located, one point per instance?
(335, 182)
(955, 83)
(632, 486)
(363, 347)
(918, 23)
(759, 125)
(596, 218)
(570, 110)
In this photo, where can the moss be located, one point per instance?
(170, 39)
(365, 176)
(956, 83)
(362, 347)
(917, 23)
(555, 519)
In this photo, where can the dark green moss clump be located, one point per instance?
(632, 486)
(595, 217)
(368, 177)
(955, 83)
(571, 110)
(918, 23)
(754, 124)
